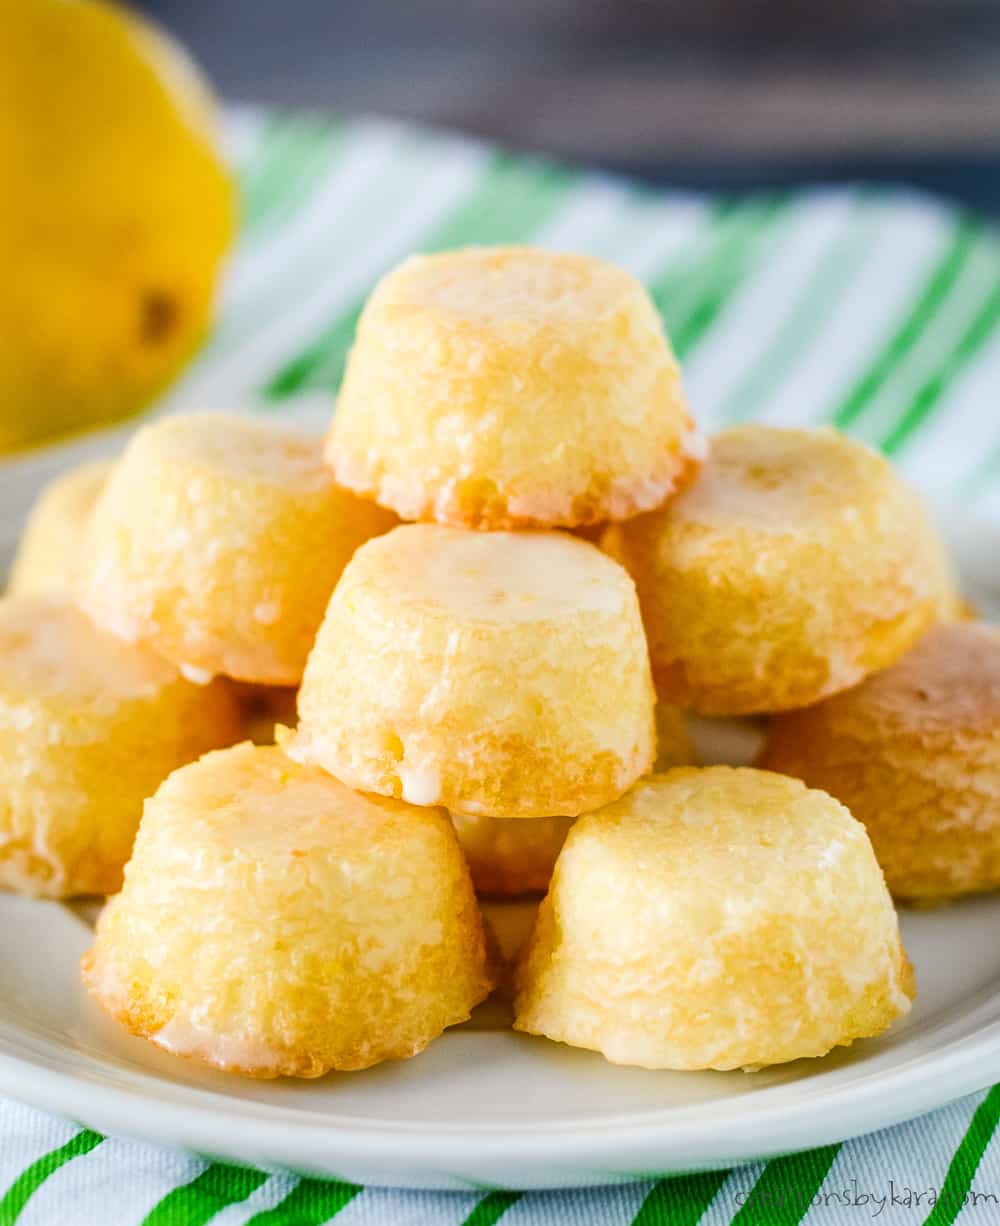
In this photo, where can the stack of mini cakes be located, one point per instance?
(486, 681)
(503, 674)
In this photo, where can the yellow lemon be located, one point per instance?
(115, 212)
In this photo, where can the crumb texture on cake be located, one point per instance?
(714, 918)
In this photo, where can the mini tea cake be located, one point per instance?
(512, 387)
(49, 552)
(218, 541)
(914, 752)
(496, 674)
(89, 726)
(274, 923)
(795, 564)
(714, 918)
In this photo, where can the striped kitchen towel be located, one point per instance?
(876, 311)
(940, 1169)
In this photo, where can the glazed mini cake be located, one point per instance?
(512, 387)
(914, 752)
(218, 541)
(89, 726)
(714, 918)
(796, 564)
(49, 551)
(511, 856)
(275, 923)
(496, 674)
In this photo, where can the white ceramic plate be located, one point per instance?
(483, 1105)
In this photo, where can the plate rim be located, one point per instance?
(549, 1155)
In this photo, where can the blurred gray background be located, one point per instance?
(703, 92)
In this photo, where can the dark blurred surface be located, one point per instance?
(703, 92)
